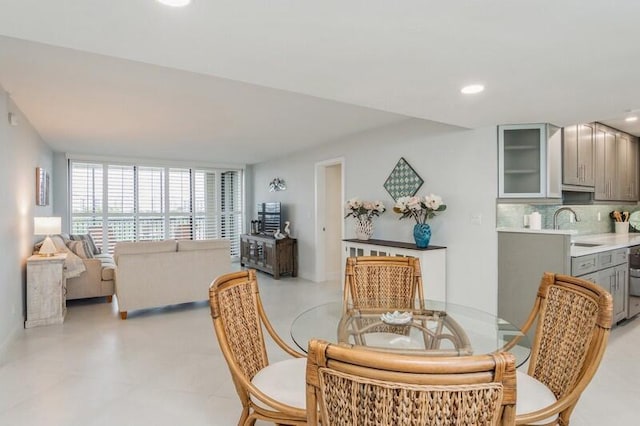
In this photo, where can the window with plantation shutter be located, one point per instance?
(129, 202)
(86, 198)
(180, 205)
(151, 199)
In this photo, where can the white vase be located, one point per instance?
(364, 229)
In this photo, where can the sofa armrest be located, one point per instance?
(94, 270)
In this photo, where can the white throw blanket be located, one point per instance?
(73, 264)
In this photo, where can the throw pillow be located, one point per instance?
(87, 237)
(80, 249)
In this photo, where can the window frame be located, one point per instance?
(218, 217)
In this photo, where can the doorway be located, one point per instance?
(329, 219)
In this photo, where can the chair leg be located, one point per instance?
(109, 299)
(123, 315)
(249, 421)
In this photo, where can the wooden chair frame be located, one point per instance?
(356, 297)
(243, 288)
(414, 373)
(354, 324)
(396, 285)
(595, 343)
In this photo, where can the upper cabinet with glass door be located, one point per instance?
(529, 161)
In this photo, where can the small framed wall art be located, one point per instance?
(403, 180)
(42, 187)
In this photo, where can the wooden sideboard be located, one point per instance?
(433, 260)
(267, 254)
(46, 290)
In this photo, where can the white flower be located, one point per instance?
(401, 204)
(414, 204)
(379, 206)
(354, 203)
(433, 201)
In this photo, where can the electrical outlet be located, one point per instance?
(599, 217)
(476, 219)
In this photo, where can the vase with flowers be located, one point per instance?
(421, 209)
(363, 212)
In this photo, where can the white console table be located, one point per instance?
(433, 260)
(46, 290)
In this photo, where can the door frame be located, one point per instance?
(320, 190)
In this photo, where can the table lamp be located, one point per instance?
(47, 226)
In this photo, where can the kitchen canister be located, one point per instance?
(622, 227)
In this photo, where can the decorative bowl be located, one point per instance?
(396, 318)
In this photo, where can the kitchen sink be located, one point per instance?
(585, 244)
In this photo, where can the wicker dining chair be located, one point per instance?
(271, 392)
(383, 281)
(573, 323)
(386, 282)
(351, 385)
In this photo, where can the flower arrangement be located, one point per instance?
(419, 208)
(363, 210)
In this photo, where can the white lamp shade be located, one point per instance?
(47, 225)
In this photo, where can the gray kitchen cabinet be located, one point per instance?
(523, 257)
(610, 272)
(627, 162)
(606, 164)
(616, 169)
(578, 157)
(614, 280)
(529, 161)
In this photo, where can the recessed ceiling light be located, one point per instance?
(472, 89)
(175, 3)
(632, 118)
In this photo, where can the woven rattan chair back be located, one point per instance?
(573, 323)
(239, 320)
(354, 386)
(383, 281)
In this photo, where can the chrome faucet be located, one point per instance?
(555, 216)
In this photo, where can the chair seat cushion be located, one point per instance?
(533, 395)
(283, 381)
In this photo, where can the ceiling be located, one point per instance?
(247, 81)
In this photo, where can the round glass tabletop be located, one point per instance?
(436, 328)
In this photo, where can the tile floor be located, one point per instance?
(164, 367)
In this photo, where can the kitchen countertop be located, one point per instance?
(609, 241)
(540, 231)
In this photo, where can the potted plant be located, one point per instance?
(363, 212)
(421, 209)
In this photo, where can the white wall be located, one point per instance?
(460, 165)
(22, 151)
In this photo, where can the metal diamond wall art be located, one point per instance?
(403, 181)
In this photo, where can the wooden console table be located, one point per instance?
(265, 253)
(433, 260)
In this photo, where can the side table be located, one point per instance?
(46, 288)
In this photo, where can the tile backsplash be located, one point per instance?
(511, 216)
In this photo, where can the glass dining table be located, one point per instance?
(434, 328)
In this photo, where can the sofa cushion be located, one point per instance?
(81, 249)
(89, 239)
(145, 247)
(193, 245)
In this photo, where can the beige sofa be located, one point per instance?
(153, 274)
(96, 281)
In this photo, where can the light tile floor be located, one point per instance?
(164, 367)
